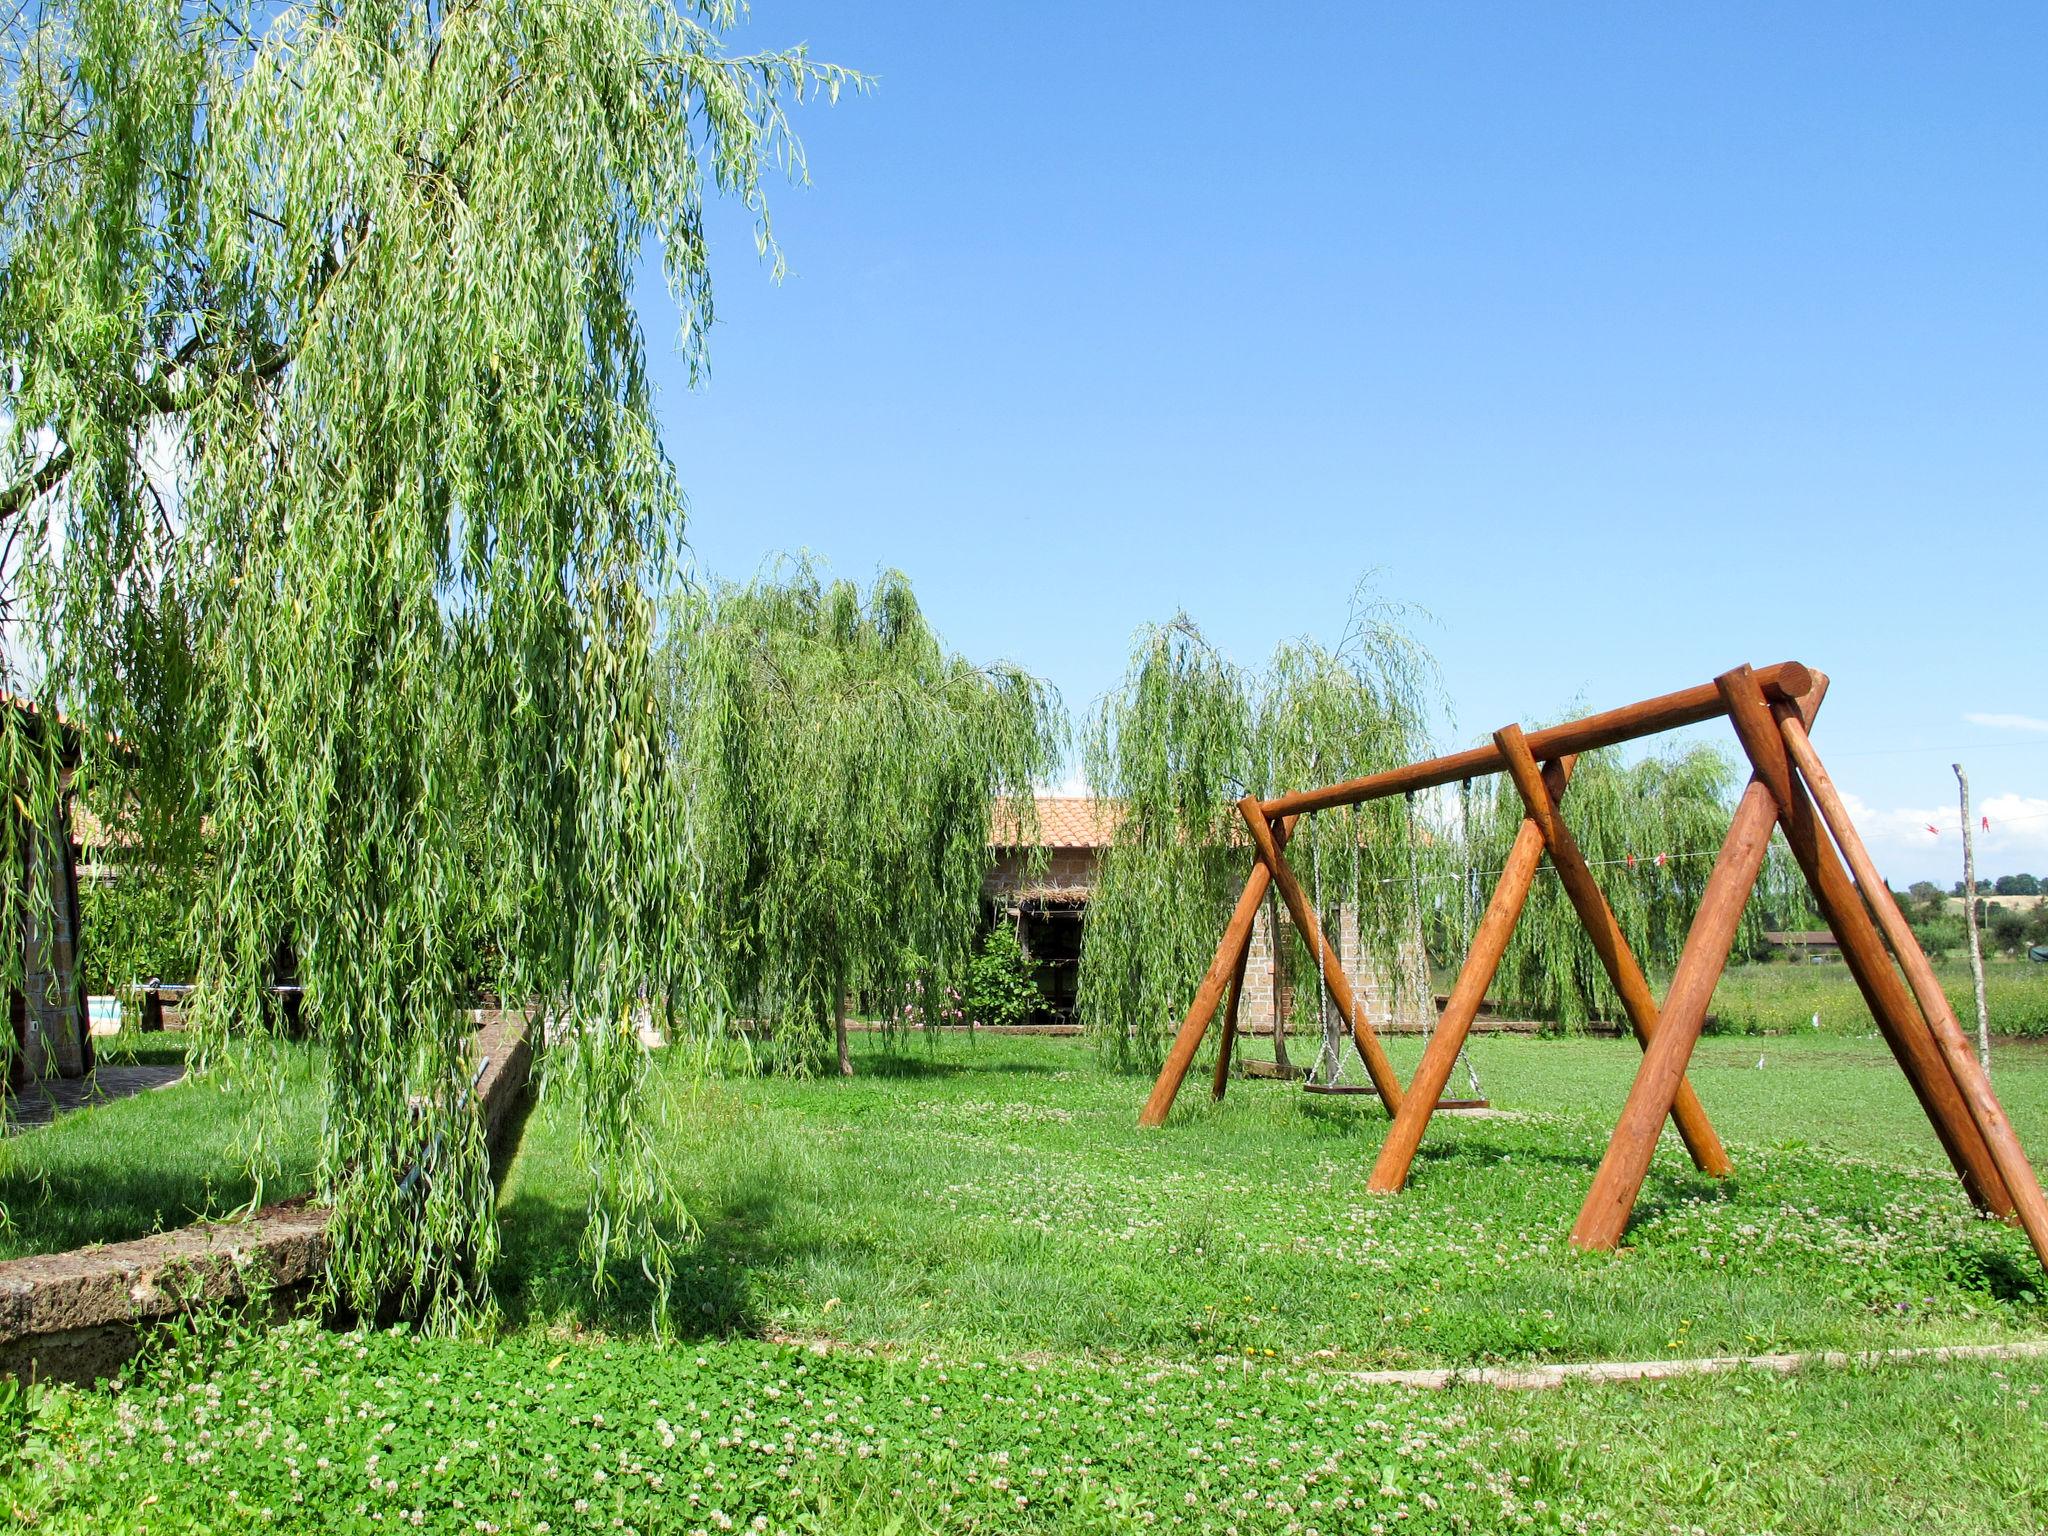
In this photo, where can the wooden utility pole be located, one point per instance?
(1970, 920)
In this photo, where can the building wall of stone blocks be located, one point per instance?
(53, 1032)
(1065, 869)
(1405, 1008)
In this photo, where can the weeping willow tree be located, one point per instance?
(844, 767)
(336, 495)
(1650, 829)
(1328, 715)
(1173, 747)
(1188, 734)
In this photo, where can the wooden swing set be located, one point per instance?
(1772, 710)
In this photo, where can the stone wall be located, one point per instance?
(1403, 1009)
(78, 1316)
(1069, 871)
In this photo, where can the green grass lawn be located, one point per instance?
(1781, 998)
(998, 1195)
(160, 1159)
(965, 1293)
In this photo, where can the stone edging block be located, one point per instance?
(69, 1314)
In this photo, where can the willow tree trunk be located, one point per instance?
(1970, 922)
(839, 1031)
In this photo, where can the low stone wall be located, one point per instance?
(80, 1315)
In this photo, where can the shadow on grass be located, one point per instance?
(1484, 1152)
(892, 1064)
(543, 1277)
(909, 1064)
(2003, 1276)
(1665, 1196)
(51, 1210)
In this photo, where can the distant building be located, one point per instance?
(1049, 909)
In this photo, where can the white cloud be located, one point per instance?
(1073, 786)
(2009, 722)
(1905, 850)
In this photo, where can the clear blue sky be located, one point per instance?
(1630, 341)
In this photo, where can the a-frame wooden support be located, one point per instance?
(1772, 711)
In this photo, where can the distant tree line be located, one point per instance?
(2004, 885)
(2006, 930)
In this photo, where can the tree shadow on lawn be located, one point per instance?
(543, 1280)
(893, 1065)
(908, 1066)
(55, 1210)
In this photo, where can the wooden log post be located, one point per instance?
(1604, 1215)
(1590, 902)
(1310, 927)
(1223, 1046)
(1975, 1087)
(1482, 961)
(1237, 935)
(1898, 1017)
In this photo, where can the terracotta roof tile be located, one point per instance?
(1064, 821)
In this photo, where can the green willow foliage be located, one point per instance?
(338, 496)
(1676, 803)
(1189, 733)
(841, 768)
(1174, 747)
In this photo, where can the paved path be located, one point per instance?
(41, 1102)
(1537, 1377)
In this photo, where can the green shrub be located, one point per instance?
(1002, 981)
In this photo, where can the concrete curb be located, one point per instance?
(77, 1316)
(1538, 1378)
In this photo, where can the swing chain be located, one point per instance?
(1468, 883)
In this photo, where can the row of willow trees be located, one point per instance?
(334, 515)
(1189, 732)
(336, 524)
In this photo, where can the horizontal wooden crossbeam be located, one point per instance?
(1689, 706)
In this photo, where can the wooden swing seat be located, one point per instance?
(1368, 1089)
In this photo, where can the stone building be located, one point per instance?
(1049, 908)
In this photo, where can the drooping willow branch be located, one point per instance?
(844, 768)
(1187, 734)
(347, 515)
(1650, 829)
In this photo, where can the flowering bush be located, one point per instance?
(916, 1014)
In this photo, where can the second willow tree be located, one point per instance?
(1185, 736)
(842, 767)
